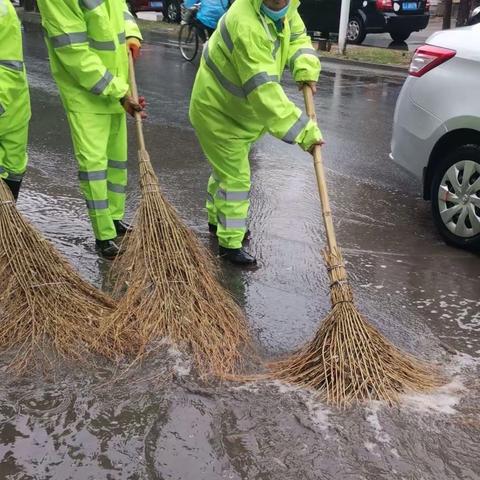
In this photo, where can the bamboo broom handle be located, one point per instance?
(134, 92)
(320, 174)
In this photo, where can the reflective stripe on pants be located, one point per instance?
(100, 143)
(13, 153)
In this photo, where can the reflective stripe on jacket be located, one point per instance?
(240, 73)
(14, 96)
(88, 56)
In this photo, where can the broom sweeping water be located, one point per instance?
(349, 360)
(172, 289)
(44, 304)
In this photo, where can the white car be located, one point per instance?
(436, 131)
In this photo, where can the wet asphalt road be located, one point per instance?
(162, 422)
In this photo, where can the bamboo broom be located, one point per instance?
(172, 289)
(45, 306)
(349, 360)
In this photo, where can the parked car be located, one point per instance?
(171, 9)
(436, 131)
(397, 17)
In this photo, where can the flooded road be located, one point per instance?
(161, 421)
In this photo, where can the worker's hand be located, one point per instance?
(311, 150)
(134, 45)
(311, 84)
(131, 106)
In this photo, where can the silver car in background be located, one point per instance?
(436, 131)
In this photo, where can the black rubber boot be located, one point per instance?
(238, 256)
(122, 227)
(213, 229)
(107, 248)
(14, 187)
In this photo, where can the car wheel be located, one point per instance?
(172, 12)
(356, 31)
(399, 37)
(456, 197)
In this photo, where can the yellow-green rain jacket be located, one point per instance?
(86, 44)
(14, 96)
(238, 79)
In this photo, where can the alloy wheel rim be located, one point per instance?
(459, 199)
(353, 30)
(172, 12)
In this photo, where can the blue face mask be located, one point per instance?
(275, 15)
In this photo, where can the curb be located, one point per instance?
(371, 66)
(160, 38)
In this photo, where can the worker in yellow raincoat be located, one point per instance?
(237, 97)
(14, 100)
(87, 43)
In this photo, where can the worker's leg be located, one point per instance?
(90, 135)
(13, 157)
(231, 176)
(117, 166)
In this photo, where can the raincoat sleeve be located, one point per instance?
(256, 67)
(66, 31)
(131, 26)
(302, 58)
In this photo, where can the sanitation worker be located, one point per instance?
(87, 43)
(237, 97)
(14, 100)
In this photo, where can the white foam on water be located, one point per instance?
(395, 453)
(370, 447)
(372, 418)
(462, 362)
(444, 399)
(183, 365)
(318, 413)
(284, 387)
(250, 387)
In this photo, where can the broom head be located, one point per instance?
(349, 360)
(45, 307)
(173, 290)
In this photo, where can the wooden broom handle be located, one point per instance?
(134, 93)
(320, 174)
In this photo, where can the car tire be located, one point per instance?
(356, 31)
(455, 194)
(399, 37)
(172, 12)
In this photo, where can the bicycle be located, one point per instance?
(191, 34)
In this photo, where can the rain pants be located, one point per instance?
(14, 97)
(86, 42)
(237, 98)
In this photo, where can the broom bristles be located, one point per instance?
(45, 306)
(349, 360)
(173, 290)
